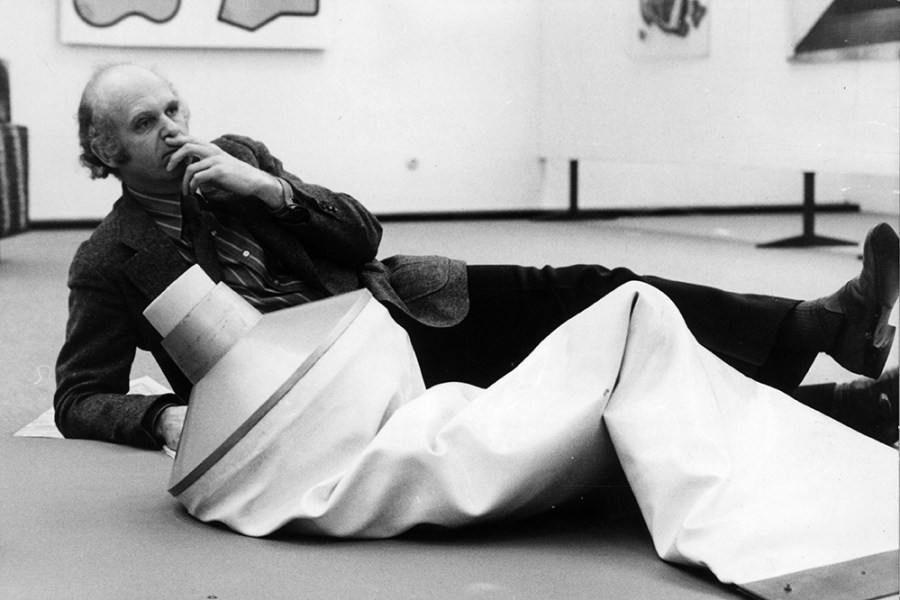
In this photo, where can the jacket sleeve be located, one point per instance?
(330, 225)
(94, 367)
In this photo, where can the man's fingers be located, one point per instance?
(177, 141)
(189, 149)
(182, 154)
(190, 173)
(187, 152)
(170, 424)
(200, 172)
(222, 171)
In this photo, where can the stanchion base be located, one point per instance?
(862, 578)
(806, 241)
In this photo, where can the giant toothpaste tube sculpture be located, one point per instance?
(315, 420)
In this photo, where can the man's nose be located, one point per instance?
(170, 127)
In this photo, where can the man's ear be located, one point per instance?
(101, 151)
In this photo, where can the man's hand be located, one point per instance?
(169, 425)
(208, 164)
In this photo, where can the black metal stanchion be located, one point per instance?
(573, 187)
(809, 237)
(573, 212)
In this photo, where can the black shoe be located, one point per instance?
(864, 341)
(870, 406)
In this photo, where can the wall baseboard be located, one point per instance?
(614, 213)
(536, 214)
(57, 224)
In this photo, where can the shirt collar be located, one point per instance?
(164, 209)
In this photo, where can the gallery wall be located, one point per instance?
(735, 125)
(415, 106)
(457, 105)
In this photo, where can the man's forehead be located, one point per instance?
(130, 90)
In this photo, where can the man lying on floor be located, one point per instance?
(231, 208)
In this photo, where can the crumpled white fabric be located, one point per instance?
(728, 473)
(734, 475)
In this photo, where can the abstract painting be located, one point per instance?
(197, 23)
(824, 30)
(669, 28)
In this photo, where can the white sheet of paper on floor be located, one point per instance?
(44, 425)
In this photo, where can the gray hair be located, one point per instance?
(96, 126)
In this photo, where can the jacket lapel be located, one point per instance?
(156, 262)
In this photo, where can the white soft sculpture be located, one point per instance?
(315, 419)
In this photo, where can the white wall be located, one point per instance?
(735, 127)
(452, 84)
(491, 98)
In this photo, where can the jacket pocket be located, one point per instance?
(414, 277)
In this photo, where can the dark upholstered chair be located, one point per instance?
(13, 166)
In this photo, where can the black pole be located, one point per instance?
(809, 237)
(573, 187)
(809, 204)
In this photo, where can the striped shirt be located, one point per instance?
(245, 268)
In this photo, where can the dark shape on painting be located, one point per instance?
(105, 13)
(253, 15)
(675, 17)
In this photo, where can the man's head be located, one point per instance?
(126, 114)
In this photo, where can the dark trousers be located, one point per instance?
(514, 308)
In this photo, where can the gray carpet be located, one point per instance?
(714, 250)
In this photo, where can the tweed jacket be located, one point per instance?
(329, 239)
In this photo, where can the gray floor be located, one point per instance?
(88, 520)
(713, 250)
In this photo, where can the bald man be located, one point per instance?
(232, 208)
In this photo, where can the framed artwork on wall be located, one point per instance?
(828, 30)
(668, 28)
(300, 24)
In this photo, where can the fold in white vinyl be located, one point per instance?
(728, 474)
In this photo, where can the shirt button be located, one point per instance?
(245, 253)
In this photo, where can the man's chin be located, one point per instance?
(162, 181)
(175, 175)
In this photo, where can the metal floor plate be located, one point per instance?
(867, 578)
